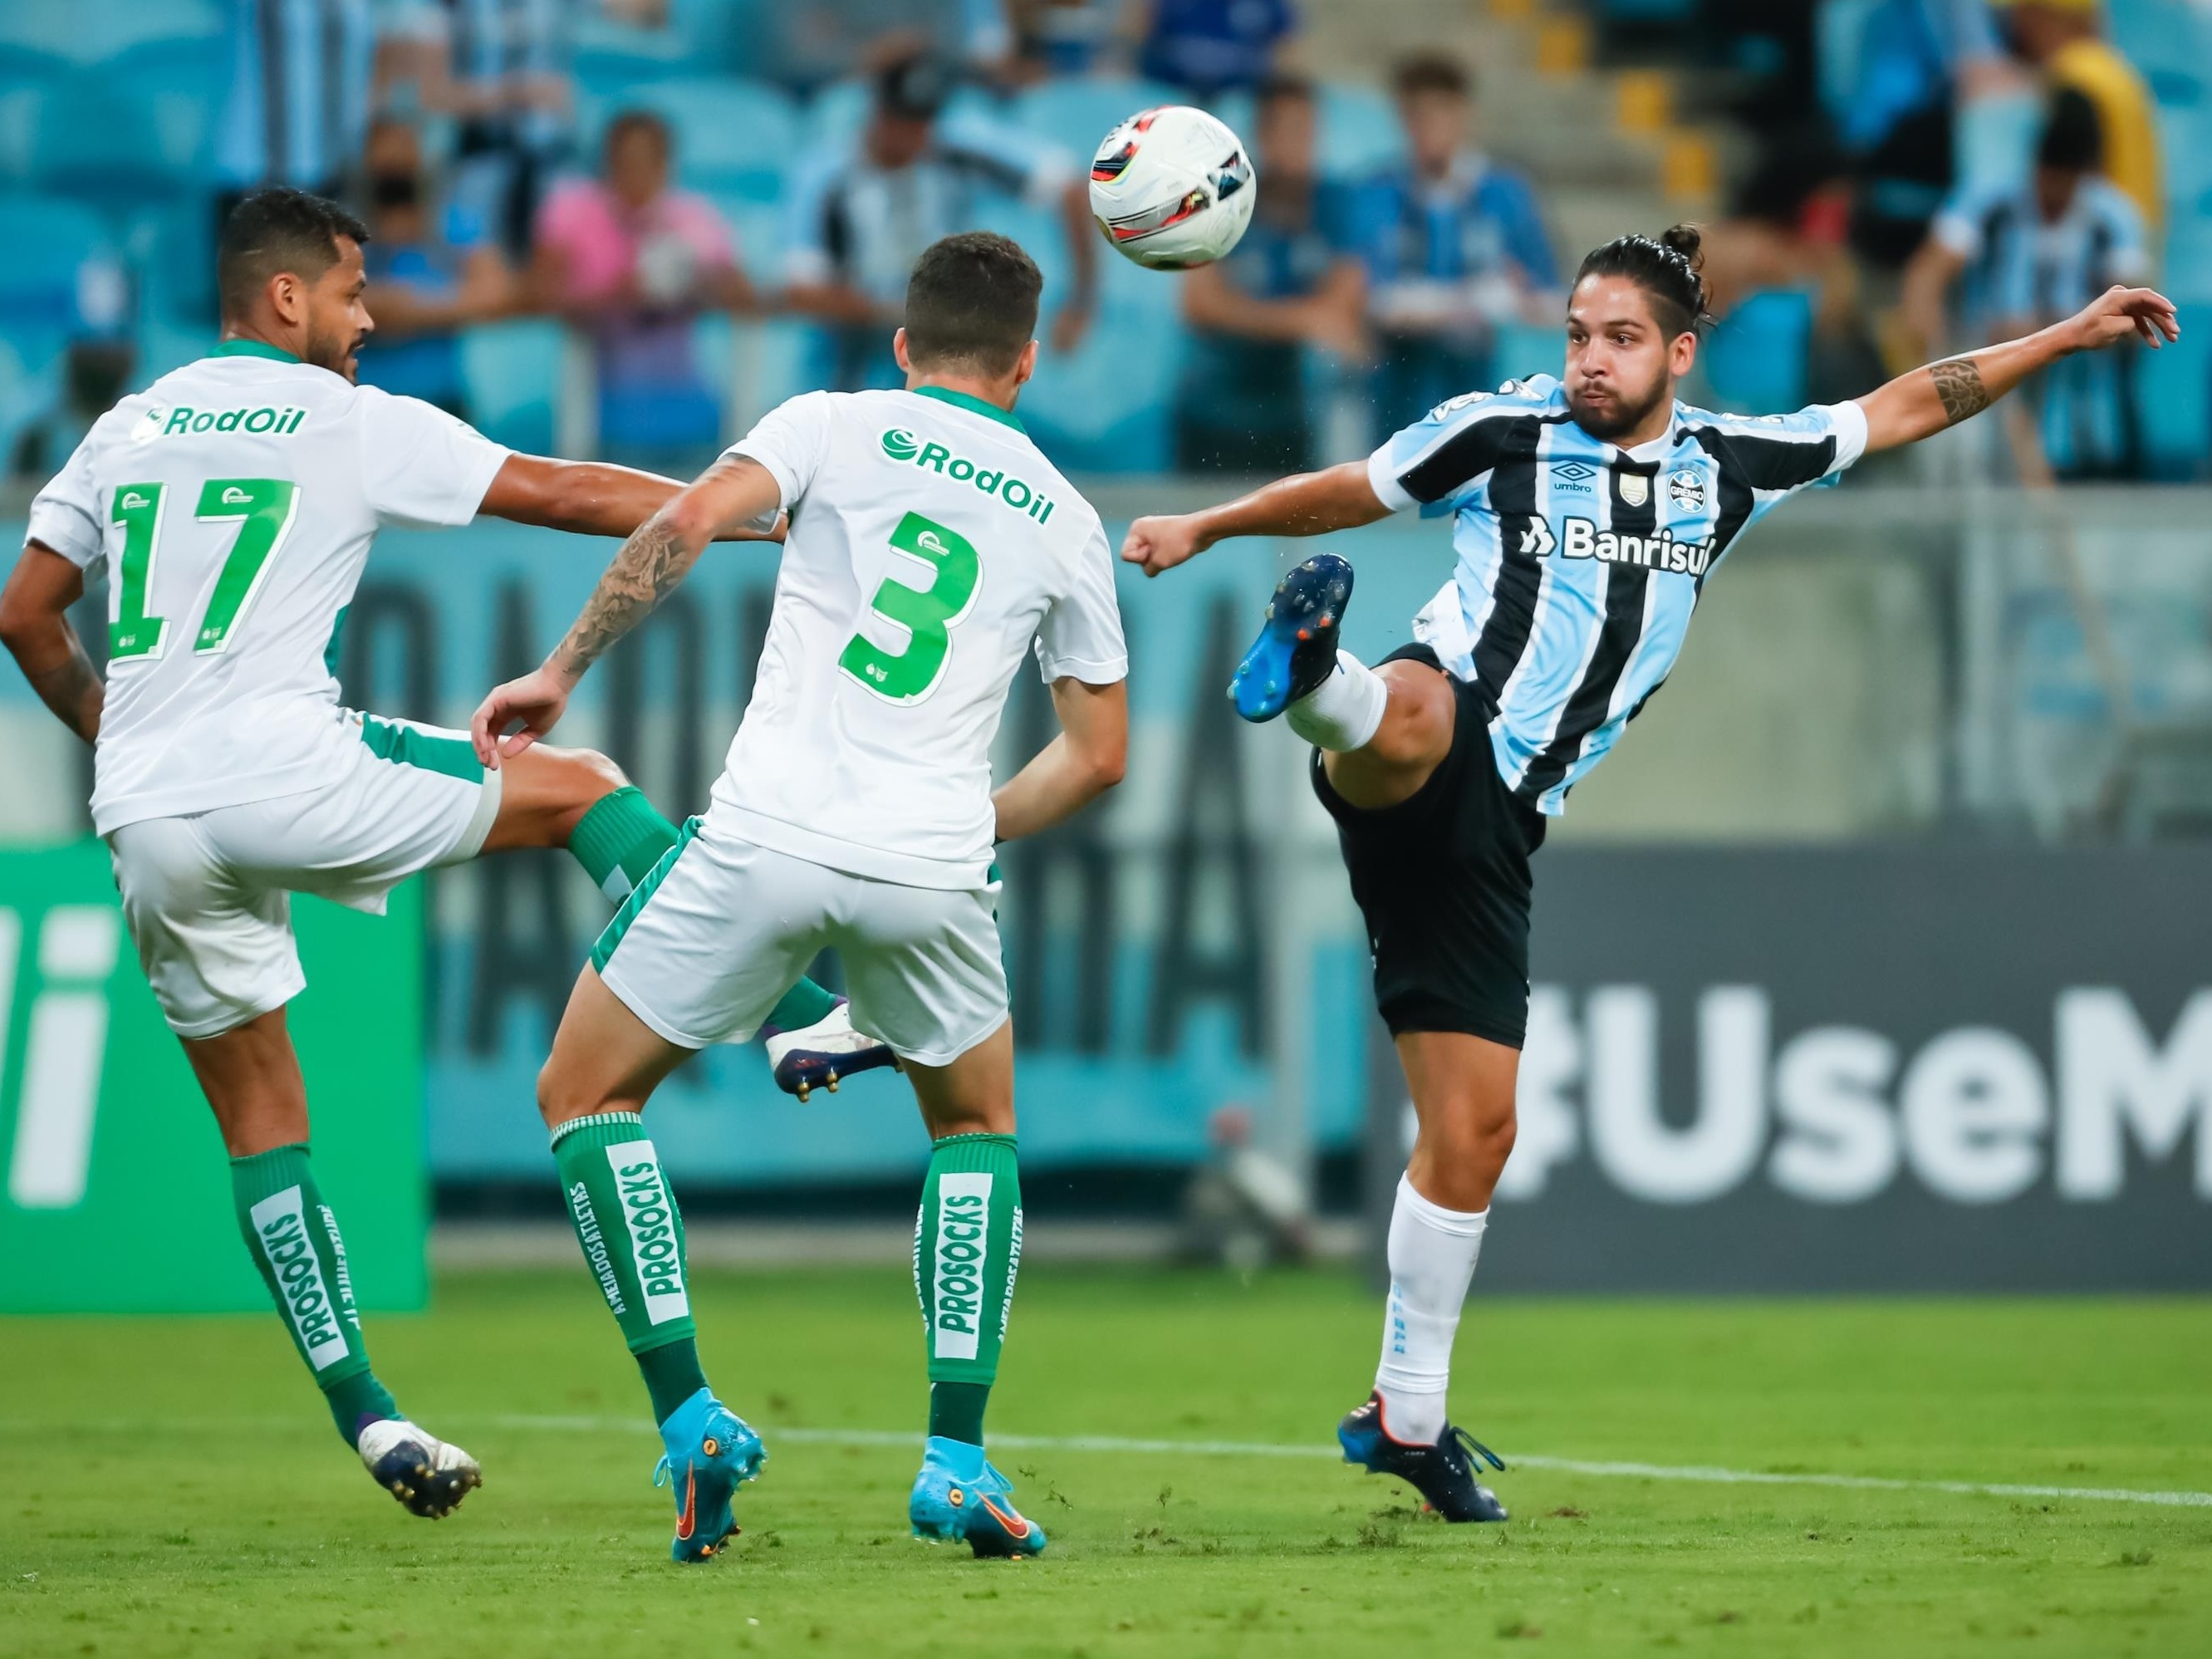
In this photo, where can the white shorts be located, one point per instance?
(207, 896)
(713, 937)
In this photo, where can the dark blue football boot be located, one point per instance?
(1443, 1474)
(1297, 648)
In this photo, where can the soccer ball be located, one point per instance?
(1172, 187)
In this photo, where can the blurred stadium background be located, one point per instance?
(1882, 963)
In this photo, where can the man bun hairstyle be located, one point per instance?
(972, 300)
(1670, 270)
(278, 231)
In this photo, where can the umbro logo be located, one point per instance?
(1573, 471)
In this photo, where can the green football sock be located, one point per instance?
(803, 1005)
(633, 1238)
(967, 1250)
(620, 841)
(293, 1240)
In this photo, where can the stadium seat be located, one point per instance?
(1076, 115)
(94, 142)
(48, 241)
(1359, 132)
(613, 59)
(512, 371)
(1756, 360)
(2173, 401)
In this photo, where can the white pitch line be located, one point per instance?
(1697, 1473)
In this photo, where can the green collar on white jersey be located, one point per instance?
(253, 349)
(989, 411)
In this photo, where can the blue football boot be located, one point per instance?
(1297, 648)
(711, 1453)
(959, 1496)
(1443, 1474)
(824, 1054)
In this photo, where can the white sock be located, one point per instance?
(1345, 711)
(1432, 1252)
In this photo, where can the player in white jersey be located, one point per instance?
(1589, 512)
(231, 506)
(931, 547)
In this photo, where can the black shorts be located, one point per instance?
(1443, 880)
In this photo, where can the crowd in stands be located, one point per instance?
(572, 200)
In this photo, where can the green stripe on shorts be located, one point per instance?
(408, 746)
(635, 903)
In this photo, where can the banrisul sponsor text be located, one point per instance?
(901, 445)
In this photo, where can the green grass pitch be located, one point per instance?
(173, 1486)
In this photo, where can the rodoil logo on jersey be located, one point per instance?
(652, 1222)
(183, 419)
(901, 445)
(964, 1217)
(280, 1227)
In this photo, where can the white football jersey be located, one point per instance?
(234, 501)
(931, 544)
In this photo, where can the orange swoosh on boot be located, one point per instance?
(689, 1518)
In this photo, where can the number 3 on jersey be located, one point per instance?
(263, 508)
(928, 614)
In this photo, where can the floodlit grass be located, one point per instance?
(174, 1486)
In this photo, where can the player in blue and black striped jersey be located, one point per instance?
(1586, 515)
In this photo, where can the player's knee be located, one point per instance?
(592, 777)
(560, 1099)
(1417, 723)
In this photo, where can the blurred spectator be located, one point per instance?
(2032, 256)
(1243, 405)
(1916, 61)
(2062, 38)
(500, 69)
(96, 370)
(1048, 38)
(431, 274)
(1454, 246)
(631, 262)
(860, 221)
(1208, 47)
(1787, 233)
(296, 110)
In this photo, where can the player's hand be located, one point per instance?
(2119, 313)
(537, 699)
(1161, 543)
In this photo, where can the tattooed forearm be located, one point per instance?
(650, 564)
(1958, 384)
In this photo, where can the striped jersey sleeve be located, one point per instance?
(1444, 460)
(1764, 459)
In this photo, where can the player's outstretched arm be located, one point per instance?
(591, 498)
(1920, 403)
(651, 565)
(1303, 504)
(1077, 766)
(34, 626)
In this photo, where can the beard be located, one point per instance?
(1621, 417)
(333, 350)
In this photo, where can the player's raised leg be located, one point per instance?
(1381, 731)
(967, 1253)
(605, 1065)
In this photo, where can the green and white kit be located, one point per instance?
(931, 546)
(233, 503)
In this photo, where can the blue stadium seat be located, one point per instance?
(732, 137)
(613, 59)
(512, 371)
(1359, 132)
(47, 240)
(94, 142)
(1076, 115)
(2173, 401)
(2171, 42)
(1756, 360)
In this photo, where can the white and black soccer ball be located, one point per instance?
(1172, 187)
